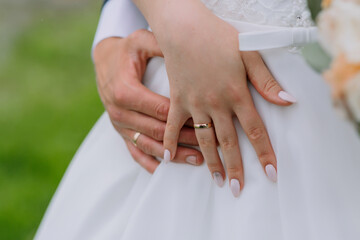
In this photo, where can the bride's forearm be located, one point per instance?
(159, 12)
(174, 21)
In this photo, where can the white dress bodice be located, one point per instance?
(285, 13)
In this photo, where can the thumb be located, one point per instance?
(263, 81)
(146, 41)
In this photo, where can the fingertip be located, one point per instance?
(218, 179)
(235, 187)
(167, 156)
(195, 159)
(145, 161)
(271, 172)
(287, 97)
(152, 167)
(162, 110)
(200, 159)
(191, 160)
(170, 150)
(241, 186)
(171, 135)
(276, 99)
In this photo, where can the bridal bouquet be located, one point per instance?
(337, 54)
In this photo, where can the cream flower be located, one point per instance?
(339, 27)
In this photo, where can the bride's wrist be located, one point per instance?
(179, 24)
(176, 21)
(196, 31)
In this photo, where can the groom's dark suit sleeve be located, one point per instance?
(119, 18)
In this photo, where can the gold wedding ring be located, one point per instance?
(202, 125)
(135, 138)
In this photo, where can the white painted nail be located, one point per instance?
(287, 97)
(235, 187)
(271, 172)
(167, 156)
(218, 179)
(191, 160)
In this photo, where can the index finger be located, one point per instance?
(255, 130)
(147, 102)
(263, 81)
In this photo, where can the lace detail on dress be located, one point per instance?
(285, 13)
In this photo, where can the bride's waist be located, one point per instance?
(255, 37)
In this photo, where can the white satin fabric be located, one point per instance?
(106, 195)
(262, 37)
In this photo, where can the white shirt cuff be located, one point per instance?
(119, 18)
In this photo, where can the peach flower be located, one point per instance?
(339, 74)
(339, 29)
(326, 3)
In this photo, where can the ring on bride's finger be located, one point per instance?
(202, 125)
(135, 138)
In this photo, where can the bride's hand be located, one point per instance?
(208, 82)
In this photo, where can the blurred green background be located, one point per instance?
(48, 102)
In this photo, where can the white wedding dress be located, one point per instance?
(106, 195)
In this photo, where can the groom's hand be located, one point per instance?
(120, 64)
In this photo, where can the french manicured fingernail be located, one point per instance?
(235, 187)
(287, 97)
(191, 160)
(271, 172)
(166, 156)
(218, 179)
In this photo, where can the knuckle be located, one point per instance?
(119, 96)
(228, 143)
(206, 142)
(122, 133)
(147, 148)
(158, 132)
(235, 94)
(256, 133)
(172, 128)
(252, 73)
(270, 84)
(161, 110)
(118, 116)
(137, 34)
(214, 166)
(170, 142)
(234, 171)
(195, 102)
(213, 100)
(176, 98)
(266, 157)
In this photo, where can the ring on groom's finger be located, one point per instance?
(202, 125)
(135, 138)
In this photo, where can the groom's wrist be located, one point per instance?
(118, 19)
